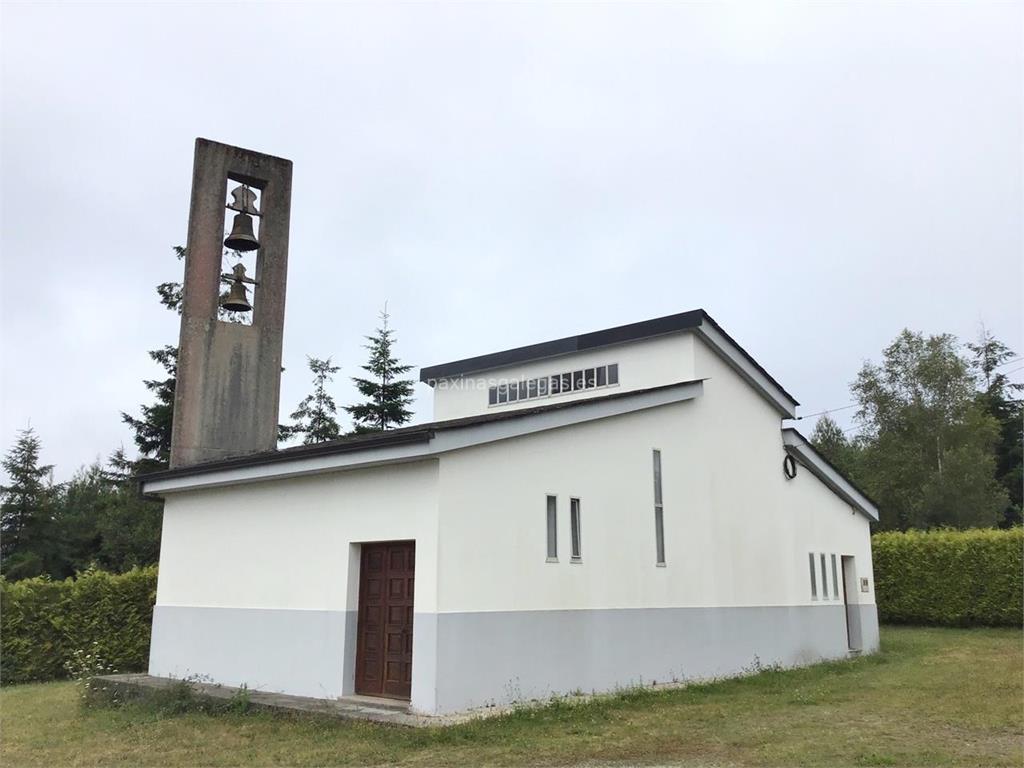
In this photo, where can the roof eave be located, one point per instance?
(808, 456)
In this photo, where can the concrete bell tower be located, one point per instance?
(229, 374)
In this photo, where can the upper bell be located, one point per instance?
(242, 237)
(236, 300)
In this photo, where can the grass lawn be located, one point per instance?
(933, 697)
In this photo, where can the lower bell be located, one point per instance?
(236, 300)
(242, 237)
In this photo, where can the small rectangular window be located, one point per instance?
(835, 579)
(814, 580)
(556, 385)
(492, 396)
(542, 387)
(502, 393)
(513, 391)
(567, 382)
(602, 376)
(824, 578)
(659, 512)
(574, 522)
(590, 378)
(531, 388)
(552, 521)
(613, 373)
(577, 380)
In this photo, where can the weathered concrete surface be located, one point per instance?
(385, 711)
(229, 375)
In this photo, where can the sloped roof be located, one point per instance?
(423, 434)
(808, 456)
(696, 320)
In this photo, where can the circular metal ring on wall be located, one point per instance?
(789, 467)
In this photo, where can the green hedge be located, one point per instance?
(43, 622)
(954, 578)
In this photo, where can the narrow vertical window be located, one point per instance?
(613, 373)
(552, 520)
(659, 515)
(824, 578)
(814, 581)
(835, 579)
(492, 396)
(574, 522)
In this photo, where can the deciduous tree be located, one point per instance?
(929, 445)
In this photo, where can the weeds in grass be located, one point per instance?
(85, 667)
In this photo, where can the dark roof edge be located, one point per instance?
(819, 455)
(747, 356)
(419, 434)
(645, 329)
(584, 341)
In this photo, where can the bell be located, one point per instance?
(236, 300)
(242, 237)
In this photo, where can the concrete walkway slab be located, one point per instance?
(368, 708)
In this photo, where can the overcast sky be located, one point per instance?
(817, 177)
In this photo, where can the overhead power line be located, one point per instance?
(830, 410)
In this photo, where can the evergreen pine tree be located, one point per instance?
(153, 429)
(388, 396)
(26, 532)
(315, 416)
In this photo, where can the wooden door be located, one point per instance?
(384, 631)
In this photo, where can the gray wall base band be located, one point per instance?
(500, 657)
(287, 651)
(465, 660)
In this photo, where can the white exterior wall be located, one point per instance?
(737, 536)
(642, 364)
(736, 531)
(258, 583)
